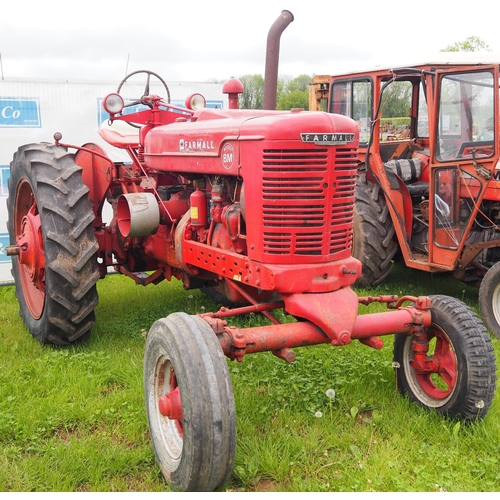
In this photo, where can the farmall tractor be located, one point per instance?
(428, 189)
(258, 206)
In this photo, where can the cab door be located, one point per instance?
(464, 153)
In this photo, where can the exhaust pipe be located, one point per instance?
(272, 59)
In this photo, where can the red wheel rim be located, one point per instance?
(31, 258)
(170, 405)
(166, 409)
(436, 369)
(169, 397)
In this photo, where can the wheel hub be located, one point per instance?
(435, 372)
(28, 249)
(170, 405)
(31, 254)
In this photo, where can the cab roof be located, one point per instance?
(438, 59)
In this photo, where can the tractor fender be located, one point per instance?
(96, 175)
(400, 199)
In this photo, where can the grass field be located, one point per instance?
(73, 419)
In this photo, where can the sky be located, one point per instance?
(199, 41)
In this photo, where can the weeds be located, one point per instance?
(73, 419)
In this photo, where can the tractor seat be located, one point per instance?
(119, 134)
(420, 188)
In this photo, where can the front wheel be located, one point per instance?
(489, 299)
(189, 403)
(450, 367)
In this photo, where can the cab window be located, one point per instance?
(353, 98)
(466, 116)
(395, 106)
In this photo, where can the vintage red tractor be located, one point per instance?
(256, 205)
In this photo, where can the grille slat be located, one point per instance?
(304, 190)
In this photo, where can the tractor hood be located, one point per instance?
(211, 129)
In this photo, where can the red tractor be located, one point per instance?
(258, 206)
(428, 188)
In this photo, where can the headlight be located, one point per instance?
(195, 102)
(113, 104)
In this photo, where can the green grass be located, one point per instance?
(73, 419)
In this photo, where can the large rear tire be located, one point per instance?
(50, 223)
(489, 299)
(189, 403)
(374, 243)
(458, 376)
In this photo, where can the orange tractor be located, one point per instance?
(428, 185)
(257, 205)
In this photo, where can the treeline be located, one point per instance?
(291, 93)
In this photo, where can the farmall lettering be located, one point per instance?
(337, 139)
(196, 145)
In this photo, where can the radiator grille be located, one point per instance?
(308, 200)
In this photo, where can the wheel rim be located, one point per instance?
(168, 430)
(31, 258)
(431, 367)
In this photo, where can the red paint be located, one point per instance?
(170, 405)
(29, 248)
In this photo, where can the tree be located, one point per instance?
(470, 44)
(294, 93)
(397, 100)
(300, 83)
(283, 82)
(291, 93)
(294, 99)
(253, 94)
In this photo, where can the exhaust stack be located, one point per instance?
(272, 59)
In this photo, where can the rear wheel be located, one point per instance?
(489, 299)
(189, 403)
(450, 368)
(374, 243)
(50, 226)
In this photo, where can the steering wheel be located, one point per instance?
(146, 88)
(141, 100)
